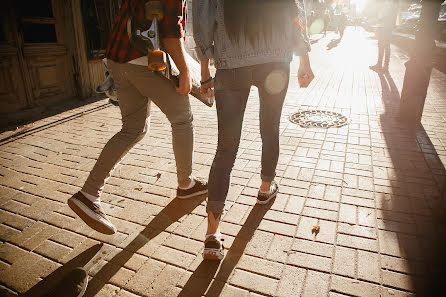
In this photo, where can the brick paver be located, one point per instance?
(373, 186)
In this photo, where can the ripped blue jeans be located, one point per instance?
(232, 87)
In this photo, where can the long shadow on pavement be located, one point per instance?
(24, 117)
(198, 283)
(413, 211)
(169, 215)
(42, 288)
(32, 129)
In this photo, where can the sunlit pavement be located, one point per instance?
(373, 186)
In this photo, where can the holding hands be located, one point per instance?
(185, 83)
(207, 82)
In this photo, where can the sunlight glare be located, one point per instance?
(360, 4)
(317, 26)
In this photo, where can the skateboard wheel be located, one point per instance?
(157, 60)
(154, 8)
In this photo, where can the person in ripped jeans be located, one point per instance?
(251, 43)
(137, 87)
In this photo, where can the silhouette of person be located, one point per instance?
(387, 20)
(326, 21)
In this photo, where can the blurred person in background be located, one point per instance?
(340, 18)
(327, 20)
(387, 19)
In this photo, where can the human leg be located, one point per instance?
(231, 95)
(272, 82)
(178, 111)
(380, 53)
(135, 110)
(378, 65)
(386, 50)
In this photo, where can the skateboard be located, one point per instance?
(108, 86)
(145, 36)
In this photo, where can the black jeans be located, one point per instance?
(232, 88)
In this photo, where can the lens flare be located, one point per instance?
(317, 26)
(275, 82)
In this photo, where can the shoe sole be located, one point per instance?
(92, 223)
(213, 254)
(193, 195)
(268, 200)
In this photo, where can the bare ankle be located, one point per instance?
(213, 223)
(265, 186)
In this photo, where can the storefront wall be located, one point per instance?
(36, 63)
(50, 54)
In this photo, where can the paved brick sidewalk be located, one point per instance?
(373, 186)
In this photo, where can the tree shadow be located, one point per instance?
(412, 210)
(176, 209)
(333, 43)
(81, 260)
(198, 283)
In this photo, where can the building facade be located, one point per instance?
(52, 50)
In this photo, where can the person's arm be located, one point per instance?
(302, 45)
(175, 48)
(305, 73)
(203, 23)
(172, 32)
(203, 18)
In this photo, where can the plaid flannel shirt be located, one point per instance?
(173, 25)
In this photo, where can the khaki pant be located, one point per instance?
(137, 87)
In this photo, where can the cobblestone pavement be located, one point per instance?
(373, 187)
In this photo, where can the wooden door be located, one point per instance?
(40, 34)
(12, 86)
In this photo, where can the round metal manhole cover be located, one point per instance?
(319, 119)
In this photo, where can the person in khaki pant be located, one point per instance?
(137, 88)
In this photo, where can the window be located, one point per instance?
(5, 24)
(99, 17)
(2, 34)
(33, 8)
(39, 33)
(37, 22)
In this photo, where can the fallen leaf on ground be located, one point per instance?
(25, 127)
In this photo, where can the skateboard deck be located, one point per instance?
(145, 36)
(172, 73)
